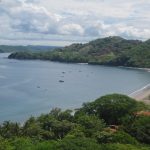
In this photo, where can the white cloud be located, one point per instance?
(71, 29)
(73, 19)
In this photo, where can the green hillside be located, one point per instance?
(112, 51)
(112, 122)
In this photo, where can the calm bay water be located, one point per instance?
(32, 87)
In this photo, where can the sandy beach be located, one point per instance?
(142, 94)
(145, 69)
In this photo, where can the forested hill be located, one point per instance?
(112, 122)
(114, 51)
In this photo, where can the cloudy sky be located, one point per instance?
(61, 22)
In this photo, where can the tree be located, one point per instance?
(9, 129)
(112, 108)
(91, 124)
(78, 144)
(139, 127)
(115, 137)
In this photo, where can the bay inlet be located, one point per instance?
(32, 87)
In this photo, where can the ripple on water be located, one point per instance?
(2, 77)
(3, 66)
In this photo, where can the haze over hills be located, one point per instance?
(114, 51)
(10, 48)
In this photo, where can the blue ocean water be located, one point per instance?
(33, 87)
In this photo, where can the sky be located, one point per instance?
(62, 22)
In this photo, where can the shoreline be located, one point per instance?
(145, 69)
(142, 94)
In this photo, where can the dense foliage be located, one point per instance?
(111, 108)
(109, 123)
(114, 51)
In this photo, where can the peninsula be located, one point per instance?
(112, 51)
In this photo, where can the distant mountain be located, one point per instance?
(113, 51)
(9, 48)
(1, 51)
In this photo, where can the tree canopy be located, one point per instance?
(108, 123)
(113, 51)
